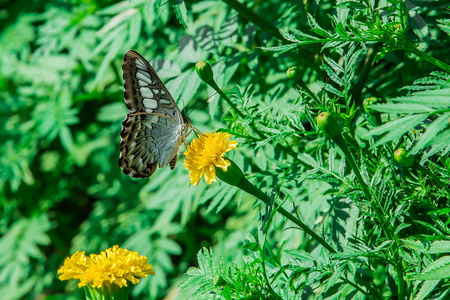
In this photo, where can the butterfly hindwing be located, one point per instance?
(147, 141)
(154, 129)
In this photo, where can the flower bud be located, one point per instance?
(233, 175)
(402, 157)
(370, 101)
(204, 71)
(293, 74)
(374, 115)
(328, 125)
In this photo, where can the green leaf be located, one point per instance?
(418, 24)
(400, 108)
(429, 247)
(316, 27)
(431, 132)
(396, 128)
(436, 270)
(431, 98)
(300, 254)
(180, 11)
(426, 289)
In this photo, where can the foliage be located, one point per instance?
(62, 106)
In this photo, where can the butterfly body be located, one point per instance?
(154, 129)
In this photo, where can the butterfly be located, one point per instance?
(154, 128)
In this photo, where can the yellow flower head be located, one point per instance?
(113, 266)
(206, 153)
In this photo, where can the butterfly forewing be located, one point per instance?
(154, 129)
(144, 91)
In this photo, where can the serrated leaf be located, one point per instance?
(438, 269)
(401, 227)
(316, 27)
(308, 159)
(430, 247)
(300, 254)
(400, 108)
(396, 128)
(301, 34)
(426, 289)
(433, 130)
(333, 64)
(333, 76)
(281, 49)
(431, 98)
(341, 31)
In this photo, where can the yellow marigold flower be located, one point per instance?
(75, 266)
(206, 153)
(112, 266)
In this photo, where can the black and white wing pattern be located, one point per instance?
(154, 129)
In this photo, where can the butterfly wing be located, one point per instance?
(144, 91)
(154, 129)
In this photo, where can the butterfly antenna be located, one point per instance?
(215, 93)
(184, 107)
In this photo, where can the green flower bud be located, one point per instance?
(370, 101)
(293, 74)
(403, 158)
(374, 115)
(233, 175)
(328, 125)
(204, 71)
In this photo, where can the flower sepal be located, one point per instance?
(233, 174)
(106, 292)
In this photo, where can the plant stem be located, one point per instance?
(263, 258)
(427, 57)
(364, 75)
(338, 139)
(248, 187)
(255, 19)
(214, 85)
(303, 85)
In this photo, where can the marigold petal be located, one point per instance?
(222, 163)
(205, 153)
(210, 174)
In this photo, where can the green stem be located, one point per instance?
(214, 85)
(255, 19)
(248, 187)
(303, 85)
(338, 139)
(263, 258)
(367, 294)
(427, 57)
(371, 53)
